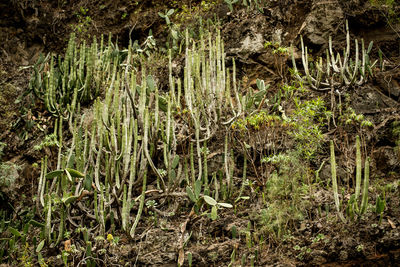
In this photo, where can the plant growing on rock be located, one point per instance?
(336, 71)
(64, 83)
(307, 120)
(198, 198)
(284, 194)
(280, 56)
(102, 164)
(353, 207)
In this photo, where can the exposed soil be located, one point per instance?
(28, 28)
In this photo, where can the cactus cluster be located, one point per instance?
(134, 133)
(352, 208)
(105, 161)
(336, 71)
(64, 82)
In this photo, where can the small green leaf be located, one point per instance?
(14, 231)
(54, 174)
(214, 214)
(210, 201)
(225, 205)
(234, 231)
(75, 173)
(260, 84)
(380, 205)
(259, 95)
(26, 228)
(40, 246)
(162, 103)
(250, 103)
(247, 145)
(172, 175)
(69, 199)
(190, 194)
(151, 83)
(174, 34)
(175, 162)
(170, 12)
(197, 188)
(36, 223)
(87, 183)
(370, 47)
(138, 87)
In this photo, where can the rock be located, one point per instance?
(245, 37)
(325, 173)
(389, 82)
(277, 36)
(251, 44)
(322, 21)
(386, 159)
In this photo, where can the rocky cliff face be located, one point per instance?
(29, 28)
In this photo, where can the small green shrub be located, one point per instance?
(258, 121)
(284, 193)
(84, 21)
(280, 54)
(48, 141)
(308, 120)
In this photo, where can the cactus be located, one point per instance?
(358, 167)
(76, 78)
(364, 202)
(364, 197)
(47, 228)
(352, 206)
(336, 71)
(133, 121)
(124, 213)
(334, 182)
(141, 205)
